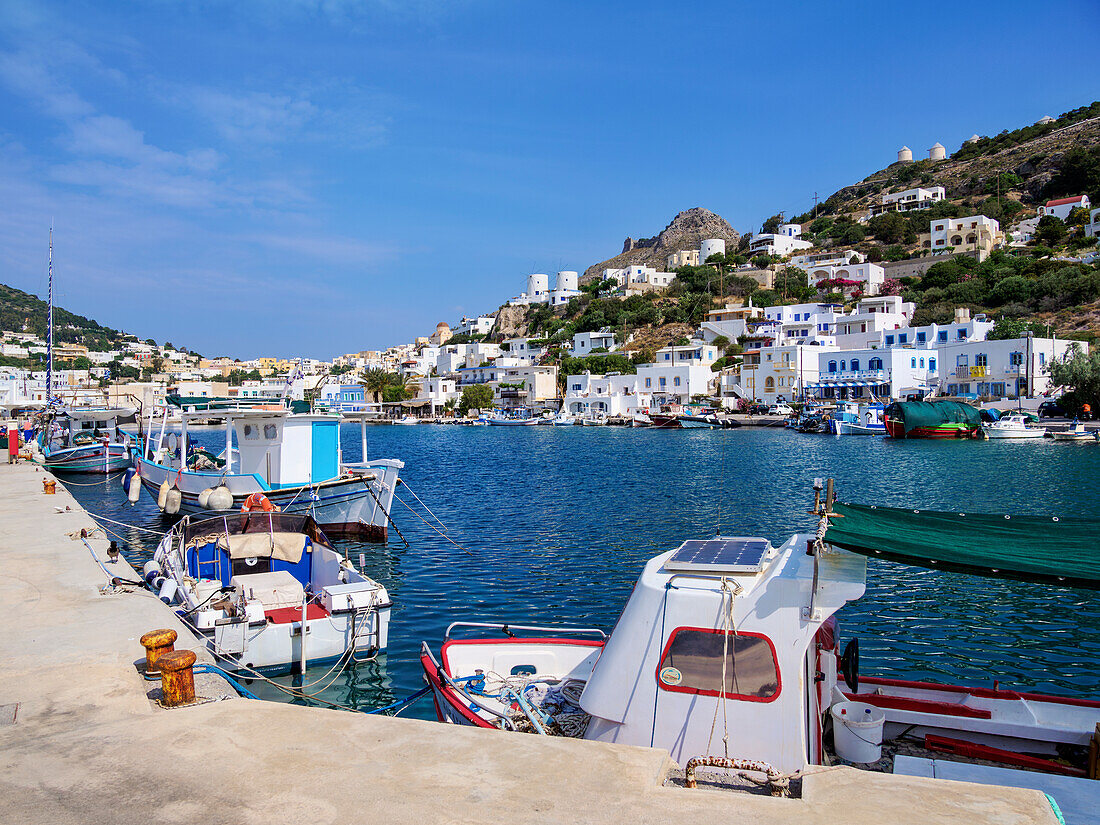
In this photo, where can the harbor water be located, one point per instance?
(552, 525)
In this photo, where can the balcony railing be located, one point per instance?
(859, 374)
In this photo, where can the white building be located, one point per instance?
(805, 323)
(872, 318)
(910, 200)
(780, 373)
(732, 322)
(823, 259)
(1092, 228)
(711, 246)
(585, 343)
(639, 278)
(611, 394)
(1012, 368)
(780, 243)
(523, 351)
(875, 374)
(972, 233)
(437, 390)
(1061, 207)
(478, 325)
(866, 277)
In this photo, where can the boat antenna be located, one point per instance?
(49, 328)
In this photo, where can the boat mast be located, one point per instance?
(49, 330)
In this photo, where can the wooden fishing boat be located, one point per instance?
(932, 419)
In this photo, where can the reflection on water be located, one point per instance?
(558, 522)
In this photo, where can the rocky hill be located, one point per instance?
(685, 231)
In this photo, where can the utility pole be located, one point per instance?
(815, 203)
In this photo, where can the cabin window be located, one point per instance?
(692, 663)
(250, 431)
(270, 431)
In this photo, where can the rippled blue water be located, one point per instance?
(557, 522)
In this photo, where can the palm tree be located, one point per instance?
(375, 382)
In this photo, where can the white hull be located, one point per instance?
(849, 428)
(347, 504)
(1028, 433)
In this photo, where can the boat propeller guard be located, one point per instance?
(849, 665)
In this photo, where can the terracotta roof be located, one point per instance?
(1061, 201)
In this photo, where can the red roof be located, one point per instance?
(1061, 201)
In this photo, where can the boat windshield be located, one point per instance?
(232, 524)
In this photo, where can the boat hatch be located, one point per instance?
(721, 555)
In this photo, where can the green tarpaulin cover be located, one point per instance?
(932, 414)
(1056, 550)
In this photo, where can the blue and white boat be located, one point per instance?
(859, 419)
(79, 440)
(267, 592)
(291, 461)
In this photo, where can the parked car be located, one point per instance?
(757, 409)
(1052, 409)
(780, 409)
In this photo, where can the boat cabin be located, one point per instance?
(79, 427)
(733, 618)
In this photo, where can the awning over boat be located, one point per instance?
(1052, 549)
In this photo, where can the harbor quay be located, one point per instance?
(84, 736)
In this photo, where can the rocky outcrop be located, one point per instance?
(510, 321)
(685, 231)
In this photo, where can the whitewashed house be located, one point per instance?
(784, 241)
(780, 373)
(585, 343)
(1092, 228)
(866, 277)
(875, 374)
(823, 259)
(730, 321)
(1011, 368)
(1061, 207)
(910, 200)
(804, 323)
(477, 325)
(871, 320)
(611, 394)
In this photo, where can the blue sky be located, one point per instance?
(317, 177)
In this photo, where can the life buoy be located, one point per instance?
(257, 501)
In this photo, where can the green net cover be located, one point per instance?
(1051, 549)
(914, 414)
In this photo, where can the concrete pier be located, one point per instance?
(88, 744)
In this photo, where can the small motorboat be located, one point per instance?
(1076, 432)
(1013, 426)
(641, 420)
(407, 420)
(244, 582)
(858, 420)
(597, 419)
(563, 419)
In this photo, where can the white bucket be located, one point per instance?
(857, 731)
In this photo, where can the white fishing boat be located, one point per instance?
(512, 421)
(564, 419)
(1013, 426)
(641, 420)
(594, 419)
(272, 459)
(734, 640)
(267, 592)
(860, 420)
(407, 420)
(1076, 432)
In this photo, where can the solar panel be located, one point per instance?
(722, 555)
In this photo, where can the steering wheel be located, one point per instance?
(849, 665)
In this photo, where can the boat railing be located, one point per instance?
(507, 628)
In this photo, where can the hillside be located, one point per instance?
(1025, 164)
(685, 231)
(22, 312)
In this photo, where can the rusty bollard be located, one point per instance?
(156, 644)
(177, 680)
(49, 486)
